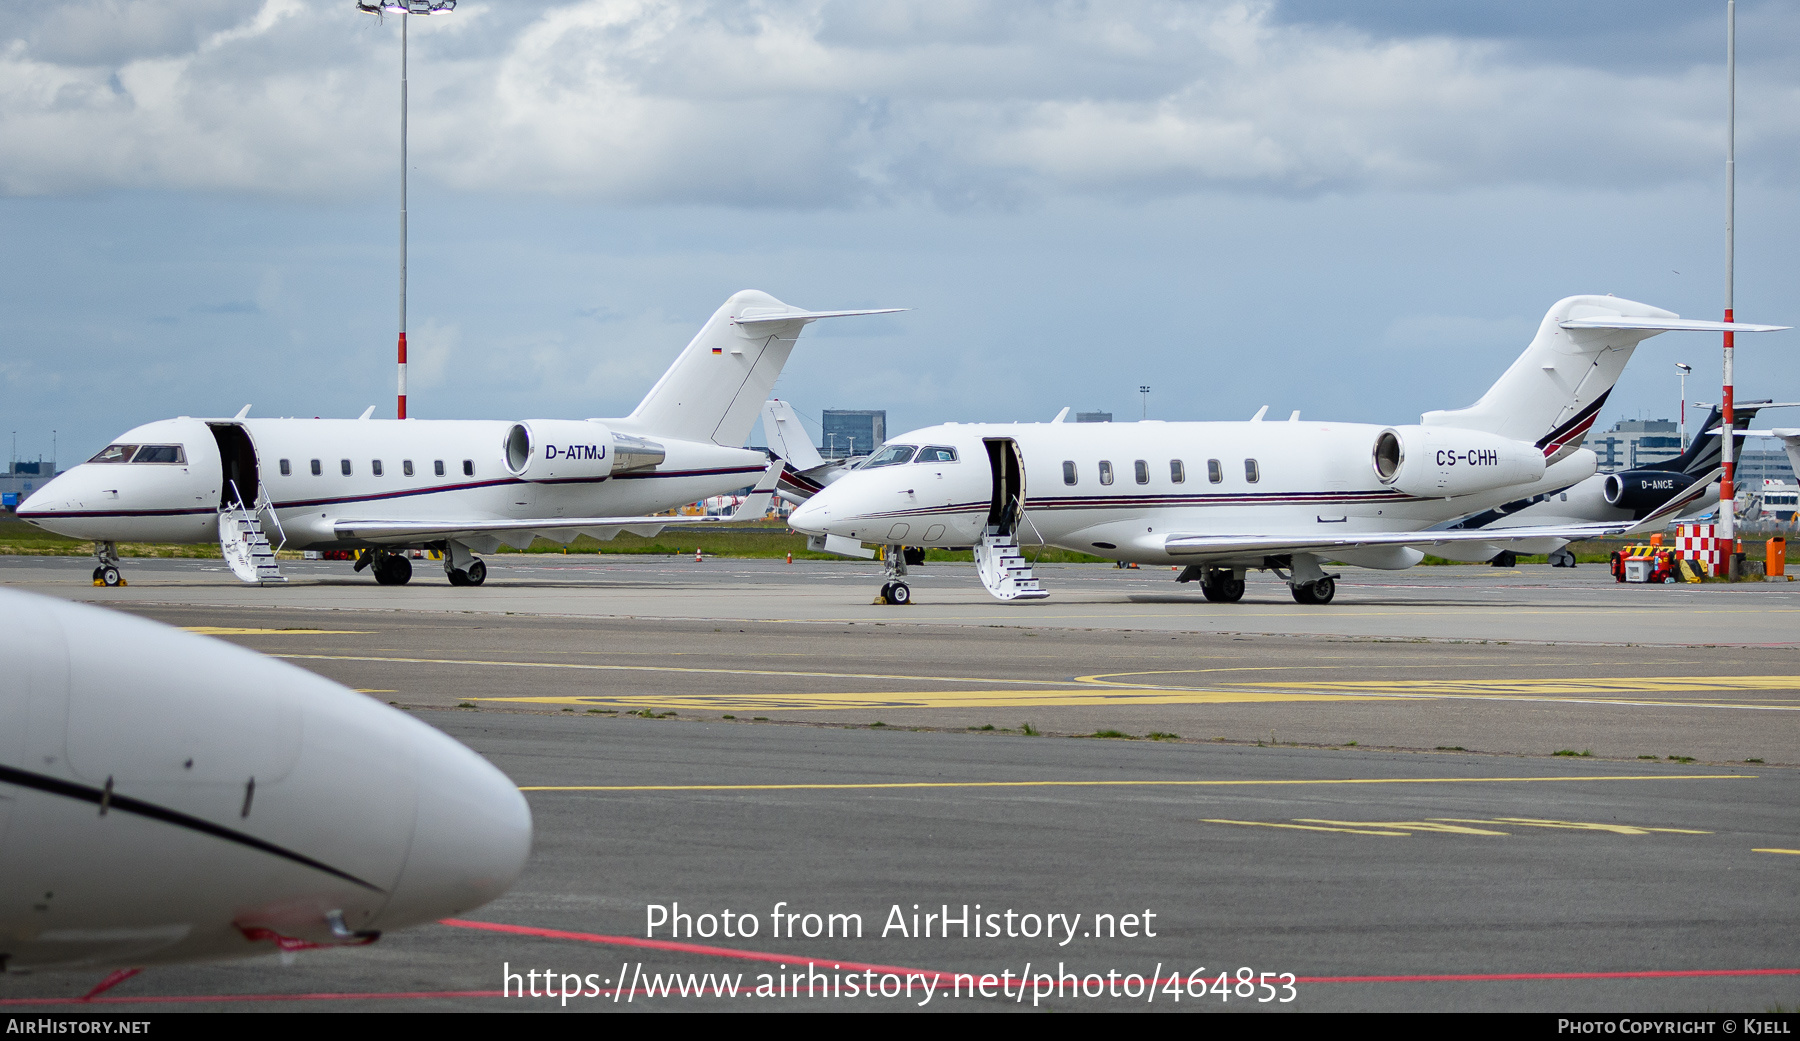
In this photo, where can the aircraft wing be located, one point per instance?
(754, 505)
(1275, 544)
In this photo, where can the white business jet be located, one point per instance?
(1227, 498)
(170, 797)
(381, 487)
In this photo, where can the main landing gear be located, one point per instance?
(1306, 579)
(1221, 585)
(388, 567)
(106, 573)
(473, 575)
(1317, 592)
(463, 567)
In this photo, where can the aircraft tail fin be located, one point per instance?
(714, 389)
(786, 438)
(1554, 390)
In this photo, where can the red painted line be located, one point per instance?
(189, 999)
(687, 948)
(1480, 977)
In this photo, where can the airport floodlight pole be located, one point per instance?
(1728, 417)
(404, 7)
(1683, 370)
(1145, 391)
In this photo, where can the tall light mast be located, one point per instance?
(404, 7)
(1683, 369)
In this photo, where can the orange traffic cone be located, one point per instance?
(697, 558)
(790, 556)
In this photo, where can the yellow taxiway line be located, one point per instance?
(1105, 689)
(877, 785)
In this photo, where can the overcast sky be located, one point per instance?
(1356, 209)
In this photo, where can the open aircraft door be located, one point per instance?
(1007, 467)
(240, 476)
(245, 547)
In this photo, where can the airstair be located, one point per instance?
(244, 545)
(1003, 568)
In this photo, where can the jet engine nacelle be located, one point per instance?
(575, 450)
(1439, 462)
(1641, 491)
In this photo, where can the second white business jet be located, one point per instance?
(1227, 498)
(463, 486)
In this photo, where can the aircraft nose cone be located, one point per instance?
(38, 503)
(471, 837)
(810, 516)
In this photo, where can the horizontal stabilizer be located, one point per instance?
(1668, 325)
(764, 315)
(557, 528)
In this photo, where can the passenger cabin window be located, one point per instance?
(1141, 471)
(936, 454)
(1214, 472)
(286, 470)
(1106, 471)
(892, 455)
(1069, 471)
(1177, 472)
(316, 468)
(375, 467)
(468, 467)
(1251, 471)
(438, 467)
(406, 467)
(345, 466)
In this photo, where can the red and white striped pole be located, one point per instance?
(1728, 432)
(403, 22)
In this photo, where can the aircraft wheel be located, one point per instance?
(1231, 590)
(110, 576)
(457, 578)
(899, 595)
(393, 570)
(1505, 558)
(97, 570)
(477, 573)
(1319, 592)
(1562, 558)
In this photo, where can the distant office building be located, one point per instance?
(1634, 443)
(1093, 417)
(1759, 464)
(853, 431)
(23, 478)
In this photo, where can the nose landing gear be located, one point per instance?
(895, 591)
(107, 572)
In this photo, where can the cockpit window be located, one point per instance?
(936, 454)
(160, 454)
(141, 454)
(115, 454)
(892, 455)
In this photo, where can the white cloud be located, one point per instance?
(817, 103)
